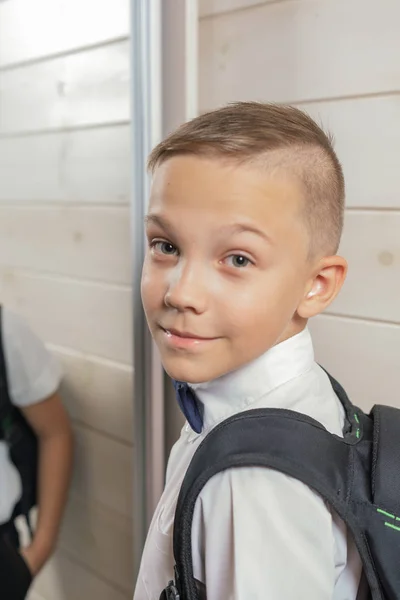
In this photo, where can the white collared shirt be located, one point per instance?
(257, 533)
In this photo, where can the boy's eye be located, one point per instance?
(164, 247)
(238, 260)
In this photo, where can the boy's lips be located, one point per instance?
(184, 339)
(185, 334)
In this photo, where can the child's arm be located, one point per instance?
(260, 534)
(51, 424)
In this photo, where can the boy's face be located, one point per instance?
(226, 265)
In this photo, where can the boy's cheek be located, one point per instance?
(148, 300)
(150, 285)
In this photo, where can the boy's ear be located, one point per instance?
(324, 286)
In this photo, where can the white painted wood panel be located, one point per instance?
(30, 30)
(208, 8)
(371, 244)
(65, 579)
(367, 138)
(78, 241)
(98, 393)
(90, 317)
(99, 539)
(292, 51)
(363, 356)
(65, 259)
(78, 166)
(83, 88)
(103, 470)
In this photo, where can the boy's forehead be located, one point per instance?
(192, 182)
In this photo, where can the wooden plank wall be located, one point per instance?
(339, 61)
(65, 258)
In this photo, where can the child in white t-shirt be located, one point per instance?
(33, 378)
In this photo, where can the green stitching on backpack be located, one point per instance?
(392, 526)
(386, 514)
(358, 422)
(383, 512)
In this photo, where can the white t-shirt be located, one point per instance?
(257, 533)
(33, 375)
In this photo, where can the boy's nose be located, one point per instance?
(187, 291)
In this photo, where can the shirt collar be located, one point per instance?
(237, 391)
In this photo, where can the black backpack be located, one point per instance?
(358, 475)
(21, 441)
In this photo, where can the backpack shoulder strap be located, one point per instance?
(352, 413)
(297, 446)
(6, 405)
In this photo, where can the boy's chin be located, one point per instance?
(190, 372)
(188, 376)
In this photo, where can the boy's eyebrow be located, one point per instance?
(158, 220)
(246, 227)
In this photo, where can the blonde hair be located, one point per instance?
(275, 136)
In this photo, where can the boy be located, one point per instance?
(244, 223)
(33, 380)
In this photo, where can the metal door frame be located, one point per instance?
(164, 72)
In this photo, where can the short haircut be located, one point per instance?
(275, 136)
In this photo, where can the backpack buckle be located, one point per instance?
(170, 592)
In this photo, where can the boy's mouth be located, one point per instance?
(184, 334)
(184, 339)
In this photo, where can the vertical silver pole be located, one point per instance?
(148, 375)
(179, 62)
(164, 94)
(180, 101)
